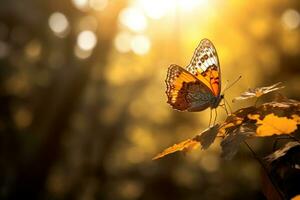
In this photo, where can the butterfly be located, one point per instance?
(197, 87)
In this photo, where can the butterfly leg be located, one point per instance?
(225, 108)
(210, 116)
(216, 114)
(226, 102)
(223, 105)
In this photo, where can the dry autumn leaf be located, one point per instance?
(184, 145)
(278, 117)
(296, 197)
(289, 109)
(283, 169)
(273, 125)
(282, 151)
(205, 139)
(238, 127)
(232, 141)
(257, 92)
(234, 120)
(286, 108)
(296, 118)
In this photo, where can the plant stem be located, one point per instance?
(277, 139)
(294, 138)
(266, 170)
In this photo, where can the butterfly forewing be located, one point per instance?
(185, 91)
(205, 66)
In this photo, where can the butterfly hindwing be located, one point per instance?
(185, 91)
(205, 66)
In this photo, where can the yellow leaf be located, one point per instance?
(185, 145)
(296, 197)
(273, 124)
(254, 117)
(225, 126)
(235, 119)
(296, 118)
(204, 139)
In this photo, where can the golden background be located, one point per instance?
(83, 104)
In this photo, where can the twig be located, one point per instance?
(266, 170)
(294, 138)
(277, 139)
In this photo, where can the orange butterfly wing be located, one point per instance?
(205, 66)
(185, 91)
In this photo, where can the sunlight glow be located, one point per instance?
(98, 5)
(157, 9)
(33, 49)
(122, 42)
(88, 22)
(134, 19)
(140, 44)
(59, 24)
(82, 54)
(86, 40)
(154, 9)
(188, 5)
(291, 19)
(80, 4)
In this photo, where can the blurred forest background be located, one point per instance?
(83, 108)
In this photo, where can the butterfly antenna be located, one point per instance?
(234, 82)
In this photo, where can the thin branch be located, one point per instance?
(294, 138)
(266, 170)
(277, 139)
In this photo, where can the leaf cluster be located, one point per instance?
(281, 116)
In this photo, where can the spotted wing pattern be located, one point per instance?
(185, 91)
(205, 66)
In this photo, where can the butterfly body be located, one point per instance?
(198, 86)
